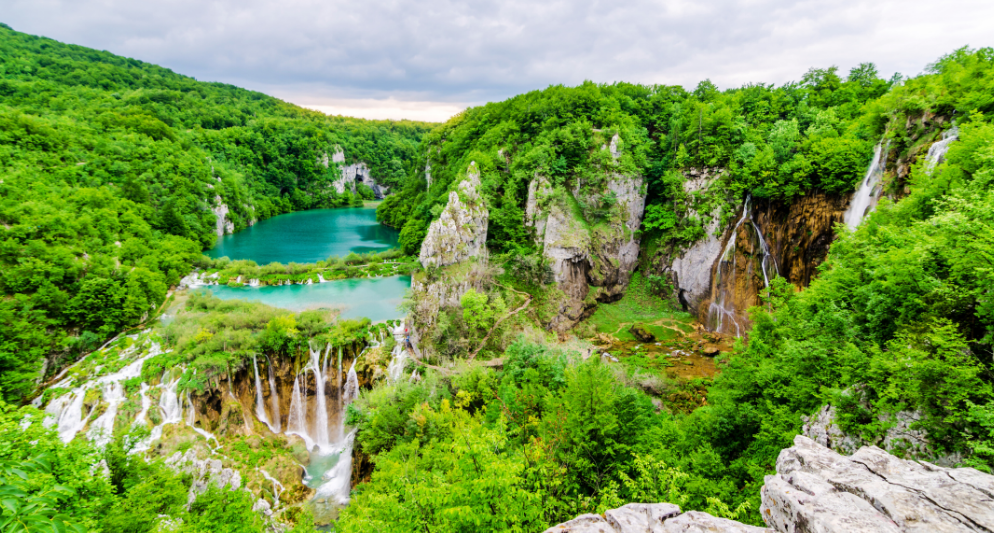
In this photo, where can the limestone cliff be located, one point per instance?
(589, 233)
(818, 490)
(351, 175)
(223, 225)
(461, 230)
(453, 253)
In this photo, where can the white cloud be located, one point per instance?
(384, 57)
(389, 108)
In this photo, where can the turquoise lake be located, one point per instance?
(309, 236)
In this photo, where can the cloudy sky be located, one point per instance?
(428, 59)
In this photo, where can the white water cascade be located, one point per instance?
(399, 355)
(351, 391)
(937, 152)
(146, 405)
(274, 398)
(721, 312)
(868, 194)
(260, 402)
(297, 423)
(338, 480)
(102, 429)
(321, 408)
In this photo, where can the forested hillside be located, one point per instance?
(775, 142)
(114, 172)
(894, 331)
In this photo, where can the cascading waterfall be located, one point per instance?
(260, 402)
(868, 194)
(321, 408)
(102, 429)
(297, 423)
(274, 399)
(351, 391)
(399, 355)
(146, 405)
(937, 152)
(722, 309)
(339, 478)
(71, 420)
(718, 311)
(277, 487)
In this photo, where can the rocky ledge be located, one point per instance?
(817, 490)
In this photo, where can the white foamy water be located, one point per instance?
(868, 194)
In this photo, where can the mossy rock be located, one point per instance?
(641, 333)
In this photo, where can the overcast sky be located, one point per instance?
(428, 59)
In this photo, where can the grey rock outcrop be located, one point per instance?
(591, 259)
(351, 175)
(691, 270)
(223, 226)
(536, 213)
(461, 230)
(816, 489)
(651, 518)
(205, 472)
(902, 434)
(822, 428)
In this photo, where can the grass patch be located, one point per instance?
(639, 305)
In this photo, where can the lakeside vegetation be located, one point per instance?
(242, 272)
(113, 170)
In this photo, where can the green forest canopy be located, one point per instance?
(111, 170)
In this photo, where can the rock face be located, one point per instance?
(901, 435)
(461, 230)
(223, 225)
(651, 518)
(691, 270)
(205, 472)
(587, 249)
(816, 489)
(352, 175)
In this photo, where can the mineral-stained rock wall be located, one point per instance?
(818, 490)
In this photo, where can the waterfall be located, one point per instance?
(719, 310)
(321, 409)
(297, 422)
(722, 309)
(351, 391)
(102, 430)
(260, 402)
(399, 359)
(146, 405)
(172, 411)
(274, 399)
(339, 477)
(71, 418)
(191, 414)
(937, 152)
(277, 487)
(866, 196)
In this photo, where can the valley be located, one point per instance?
(224, 312)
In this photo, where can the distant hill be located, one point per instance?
(114, 172)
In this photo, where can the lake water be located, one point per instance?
(309, 236)
(374, 298)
